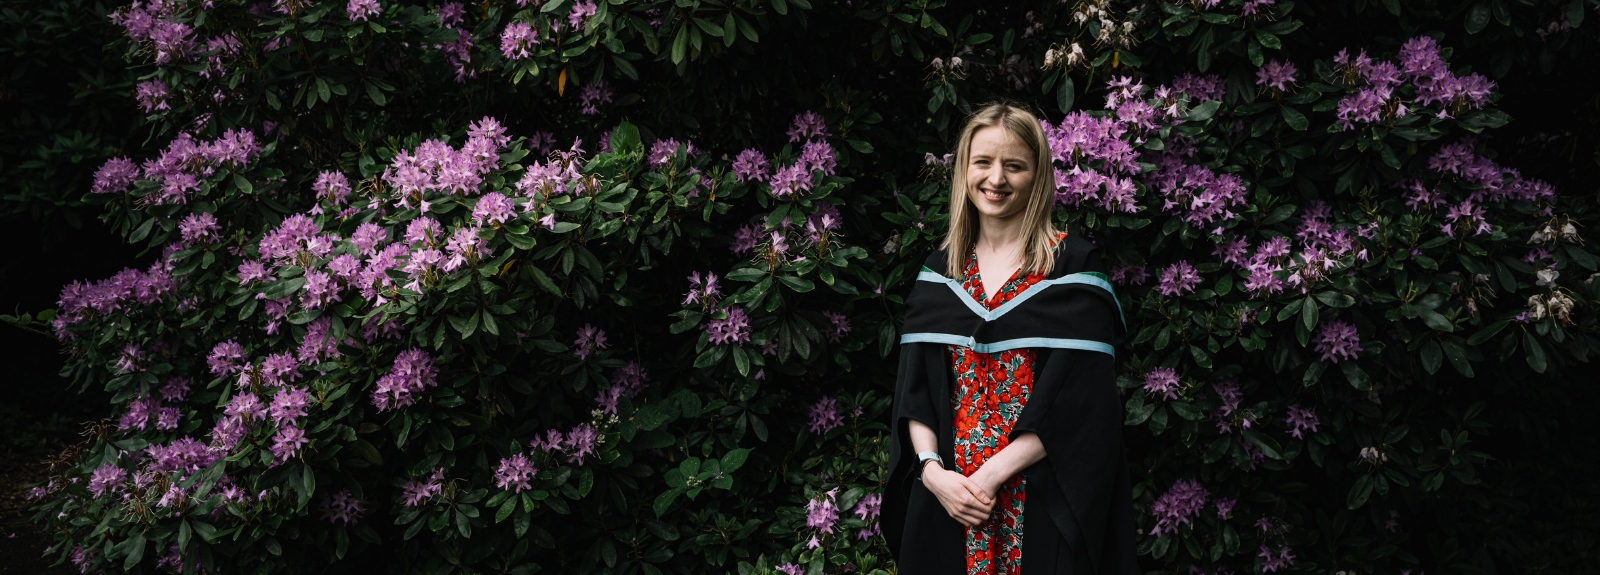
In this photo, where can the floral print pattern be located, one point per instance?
(989, 393)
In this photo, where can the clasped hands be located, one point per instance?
(968, 500)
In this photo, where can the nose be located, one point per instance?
(996, 177)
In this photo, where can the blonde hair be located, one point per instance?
(1039, 237)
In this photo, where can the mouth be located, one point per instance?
(994, 195)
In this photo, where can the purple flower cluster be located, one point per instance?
(807, 126)
(1126, 275)
(1337, 341)
(1163, 382)
(1494, 184)
(665, 149)
(180, 167)
(363, 9)
(1178, 279)
(224, 357)
(331, 187)
(412, 373)
(342, 507)
(825, 416)
(514, 473)
(702, 290)
(436, 167)
(582, 441)
(1184, 500)
(841, 326)
(516, 40)
(868, 510)
(117, 175)
(734, 328)
(1276, 75)
(199, 228)
(1200, 196)
(107, 478)
(594, 94)
(1275, 560)
(172, 42)
(822, 512)
(141, 410)
(287, 443)
(751, 166)
(579, 13)
(1206, 88)
(493, 209)
(184, 455)
(415, 492)
(1100, 163)
(152, 95)
(1420, 63)
(127, 291)
(591, 339)
(1300, 421)
(745, 239)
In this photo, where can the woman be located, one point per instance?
(1006, 456)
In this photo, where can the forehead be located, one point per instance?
(998, 141)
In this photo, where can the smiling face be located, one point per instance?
(1000, 173)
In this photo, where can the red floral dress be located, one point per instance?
(989, 394)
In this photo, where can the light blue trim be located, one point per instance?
(961, 294)
(1010, 344)
(991, 315)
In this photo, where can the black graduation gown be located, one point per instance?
(1079, 518)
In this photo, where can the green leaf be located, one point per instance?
(1186, 410)
(1536, 358)
(1355, 375)
(304, 316)
(1487, 332)
(1065, 93)
(377, 95)
(1435, 320)
(1432, 357)
(1336, 299)
(538, 276)
(861, 146)
(465, 325)
(243, 184)
(1457, 356)
(1314, 373)
(1477, 19)
(135, 547)
(797, 284)
(680, 44)
(1203, 112)
(664, 501)
(1295, 119)
(1360, 491)
(142, 231)
(1265, 443)
(734, 459)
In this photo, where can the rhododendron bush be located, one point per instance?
(470, 288)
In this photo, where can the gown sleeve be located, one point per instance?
(1076, 411)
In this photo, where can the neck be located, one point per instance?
(1000, 235)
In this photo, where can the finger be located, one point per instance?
(972, 486)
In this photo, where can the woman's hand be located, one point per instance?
(987, 481)
(961, 497)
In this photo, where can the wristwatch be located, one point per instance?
(924, 457)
